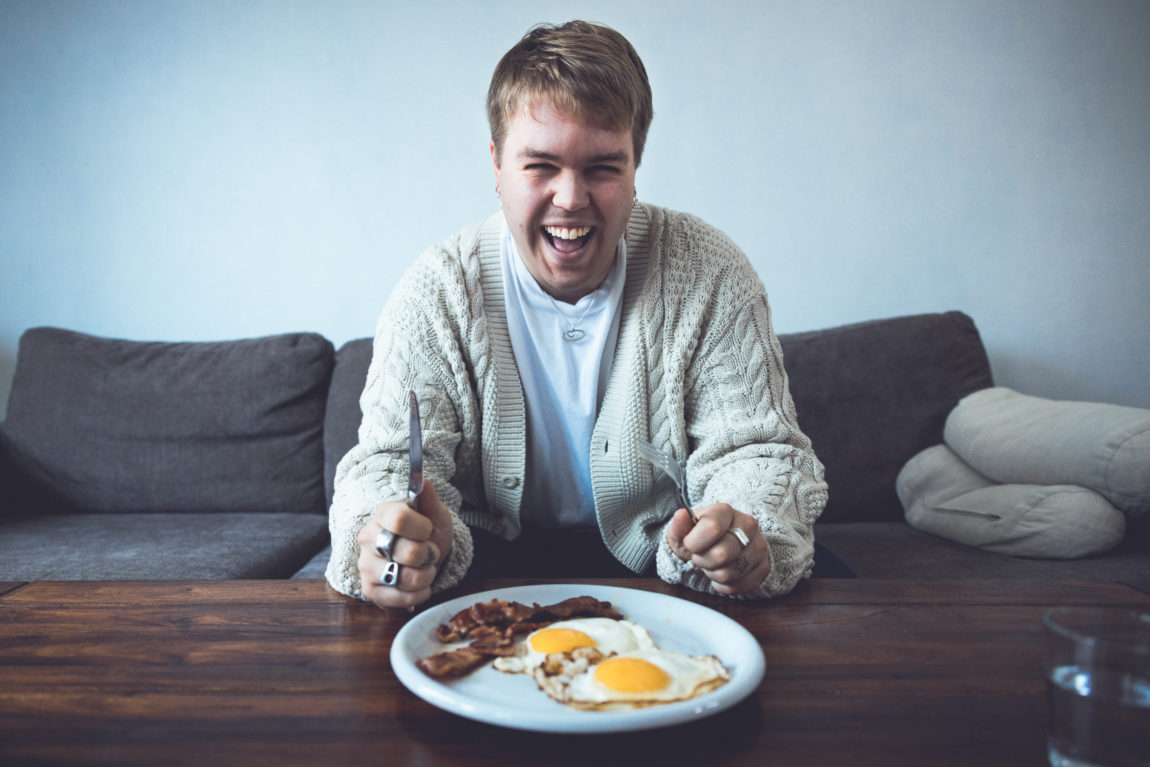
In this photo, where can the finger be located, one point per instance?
(415, 554)
(745, 574)
(386, 597)
(431, 506)
(443, 525)
(403, 521)
(406, 578)
(713, 523)
(721, 555)
(753, 578)
(411, 585)
(729, 546)
(680, 526)
(412, 555)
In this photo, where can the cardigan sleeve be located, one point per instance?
(405, 357)
(746, 446)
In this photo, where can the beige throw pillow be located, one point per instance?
(1015, 438)
(944, 496)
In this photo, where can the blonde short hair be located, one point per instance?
(588, 71)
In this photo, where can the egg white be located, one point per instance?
(687, 677)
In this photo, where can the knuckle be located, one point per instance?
(412, 580)
(412, 524)
(721, 576)
(384, 514)
(414, 554)
(711, 526)
(365, 537)
(422, 528)
(403, 552)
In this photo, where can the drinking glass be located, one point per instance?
(1098, 687)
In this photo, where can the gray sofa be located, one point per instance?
(133, 460)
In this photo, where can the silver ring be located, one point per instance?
(390, 574)
(740, 535)
(385, 543)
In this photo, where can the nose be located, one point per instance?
(569, 191)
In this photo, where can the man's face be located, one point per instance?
(567, 191)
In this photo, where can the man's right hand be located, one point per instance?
(423, 541)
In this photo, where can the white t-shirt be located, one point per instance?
(563, 384)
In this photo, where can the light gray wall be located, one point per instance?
(201, 170)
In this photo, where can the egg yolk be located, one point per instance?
(631, 675)
(550, 641)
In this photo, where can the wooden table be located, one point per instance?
(289, 672)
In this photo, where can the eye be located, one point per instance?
(605, 170)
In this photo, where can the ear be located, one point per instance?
(494, 158)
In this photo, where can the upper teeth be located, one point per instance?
(566, 233)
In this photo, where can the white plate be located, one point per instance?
(514, 700)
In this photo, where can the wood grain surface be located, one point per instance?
(289, 672)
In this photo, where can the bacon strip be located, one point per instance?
(585, 607)
(502, 613)
(492, 627)
(450, 665)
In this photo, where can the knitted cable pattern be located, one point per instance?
(697, 370)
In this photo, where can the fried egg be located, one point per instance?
(634, 679)
(584, 638)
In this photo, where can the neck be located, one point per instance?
(573, 294)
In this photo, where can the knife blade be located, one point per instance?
(414, 455)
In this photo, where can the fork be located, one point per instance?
(671, 468)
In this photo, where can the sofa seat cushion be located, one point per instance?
(1016, 438)
(896, 551)
(176, 546)
(127, 426)
(944, 496)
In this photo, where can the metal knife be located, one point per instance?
(414, 456)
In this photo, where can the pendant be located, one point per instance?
(573, 334)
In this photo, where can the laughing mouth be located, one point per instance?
(567, 239)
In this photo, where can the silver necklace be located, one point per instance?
(573, 332)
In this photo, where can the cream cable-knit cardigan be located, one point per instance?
(697, 368)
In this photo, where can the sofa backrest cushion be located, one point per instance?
(872, 395)
(129, 426)
(341, 424)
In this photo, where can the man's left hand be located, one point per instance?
(713, 547)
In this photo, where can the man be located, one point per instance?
(546, 342)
